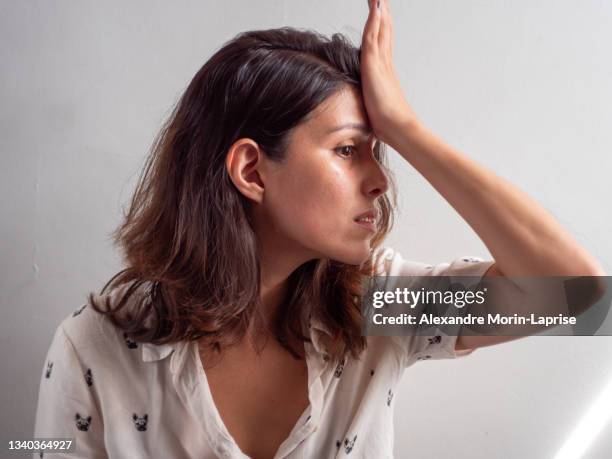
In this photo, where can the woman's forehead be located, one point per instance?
(340, 112)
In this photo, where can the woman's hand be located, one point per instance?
(387, 109)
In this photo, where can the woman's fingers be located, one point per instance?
(385, 34)
(387, 108)
(372, 26)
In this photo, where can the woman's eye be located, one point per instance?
(343, 148)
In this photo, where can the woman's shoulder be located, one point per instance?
(391, 262)
(92, 332)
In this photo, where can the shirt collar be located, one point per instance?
(316, 324)
(179, 352)
(154, 352)
(149, 352)
(318, 333)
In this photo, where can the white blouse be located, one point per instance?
(123, 399)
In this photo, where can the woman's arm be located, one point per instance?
(524, 239)
(66, 405)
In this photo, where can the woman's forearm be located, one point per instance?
(524, 239)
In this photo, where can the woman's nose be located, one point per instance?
(375, 192)
(376, 183)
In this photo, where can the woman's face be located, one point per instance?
(308, 204)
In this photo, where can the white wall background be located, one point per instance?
(522, 87)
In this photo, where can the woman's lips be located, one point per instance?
(367, 225)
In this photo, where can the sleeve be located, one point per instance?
(437, 345)
(66, 405)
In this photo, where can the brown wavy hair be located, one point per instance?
(186, 237)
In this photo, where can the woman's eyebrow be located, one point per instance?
(355, 126)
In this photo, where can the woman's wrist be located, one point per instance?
(401, 135)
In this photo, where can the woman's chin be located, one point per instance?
(356, 256)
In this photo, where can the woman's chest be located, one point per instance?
(259, 399)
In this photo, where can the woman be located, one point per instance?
(235, 330)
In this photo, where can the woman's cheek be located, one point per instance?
(313, 225)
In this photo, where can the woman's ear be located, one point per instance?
(244, 163)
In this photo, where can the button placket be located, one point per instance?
(194, 392)
(227, 446)
(315, 396)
